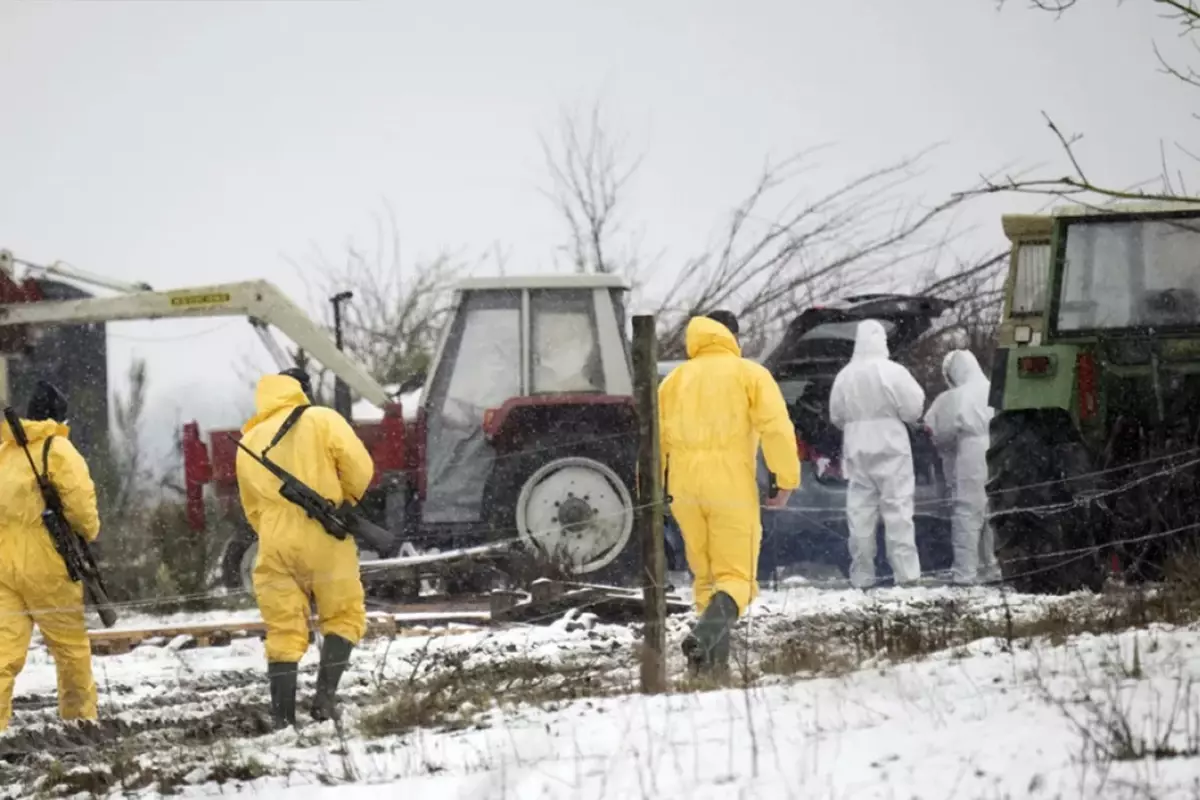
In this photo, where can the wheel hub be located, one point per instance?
(575, 513)
(576, 510)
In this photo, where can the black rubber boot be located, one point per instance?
(707, 646)
(335, 655)
(283, 676)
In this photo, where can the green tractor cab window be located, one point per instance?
(1139, 273)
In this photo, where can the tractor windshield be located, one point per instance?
(1132, 274)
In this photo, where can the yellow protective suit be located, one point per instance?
(34, 585)
(297, 558)
(713, 410)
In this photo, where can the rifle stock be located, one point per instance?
(74, 550)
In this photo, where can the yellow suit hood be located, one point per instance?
(709, 336)
(274, 392)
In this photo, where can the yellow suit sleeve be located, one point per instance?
(769, 416)
(355, 466)
(70, 475)
(249, 499)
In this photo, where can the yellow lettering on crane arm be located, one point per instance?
(204, 299)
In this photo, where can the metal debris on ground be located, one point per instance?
(546, 600)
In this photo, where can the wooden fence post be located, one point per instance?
(649, 514)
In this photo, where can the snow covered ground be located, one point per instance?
(838, 695)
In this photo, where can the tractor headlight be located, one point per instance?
(1023, 334)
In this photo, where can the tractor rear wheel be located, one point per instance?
(570, 506)
(1040, 482)
(1152, 497)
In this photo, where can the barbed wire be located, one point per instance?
(828, 513)
(365, 567)
(463, 654)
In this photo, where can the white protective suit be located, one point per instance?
(873, 401)
(958, 419)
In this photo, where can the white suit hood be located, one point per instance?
(960, 367)
(961, 410)
(870, 341)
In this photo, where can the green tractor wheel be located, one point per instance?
(1046, 523)
(1152, 497)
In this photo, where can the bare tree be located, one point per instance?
(129, 450)
(1079, 184)
(391, 323)
(785, 248)
(590, 174)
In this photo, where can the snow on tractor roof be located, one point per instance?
(547, 281)
(1041, 225)
(1126, 207)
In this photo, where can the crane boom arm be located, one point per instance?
(257, 300)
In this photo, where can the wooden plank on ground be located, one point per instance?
(116, 642)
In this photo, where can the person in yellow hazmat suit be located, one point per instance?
(34, 585)
(298, 561)
(714, 409)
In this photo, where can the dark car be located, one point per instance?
(812, 529)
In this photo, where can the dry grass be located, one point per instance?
(118, 771)
(833, 644)
(461, 697)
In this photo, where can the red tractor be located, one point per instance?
(522, 448)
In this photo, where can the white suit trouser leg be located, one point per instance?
(989, 565)
(881, 486)
(970, 535)
(966, 529)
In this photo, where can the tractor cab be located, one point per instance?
(526, 429)
(522, 434)
(1097, 379)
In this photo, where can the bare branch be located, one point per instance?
(771, 263)
(590, 175)
(392, 321)
(1079, 184)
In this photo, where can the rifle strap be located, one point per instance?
(46, 457)
(287, 425)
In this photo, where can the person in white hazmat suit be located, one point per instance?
(958, 420)
(874, 400)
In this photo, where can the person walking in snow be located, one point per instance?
(297, 558)
(873, 401)
(958, 420)
(35, 587)
(713, 410)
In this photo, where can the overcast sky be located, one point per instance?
(184, 143)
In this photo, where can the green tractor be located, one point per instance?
(1094, 463)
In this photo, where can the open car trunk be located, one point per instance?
(818, 343)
